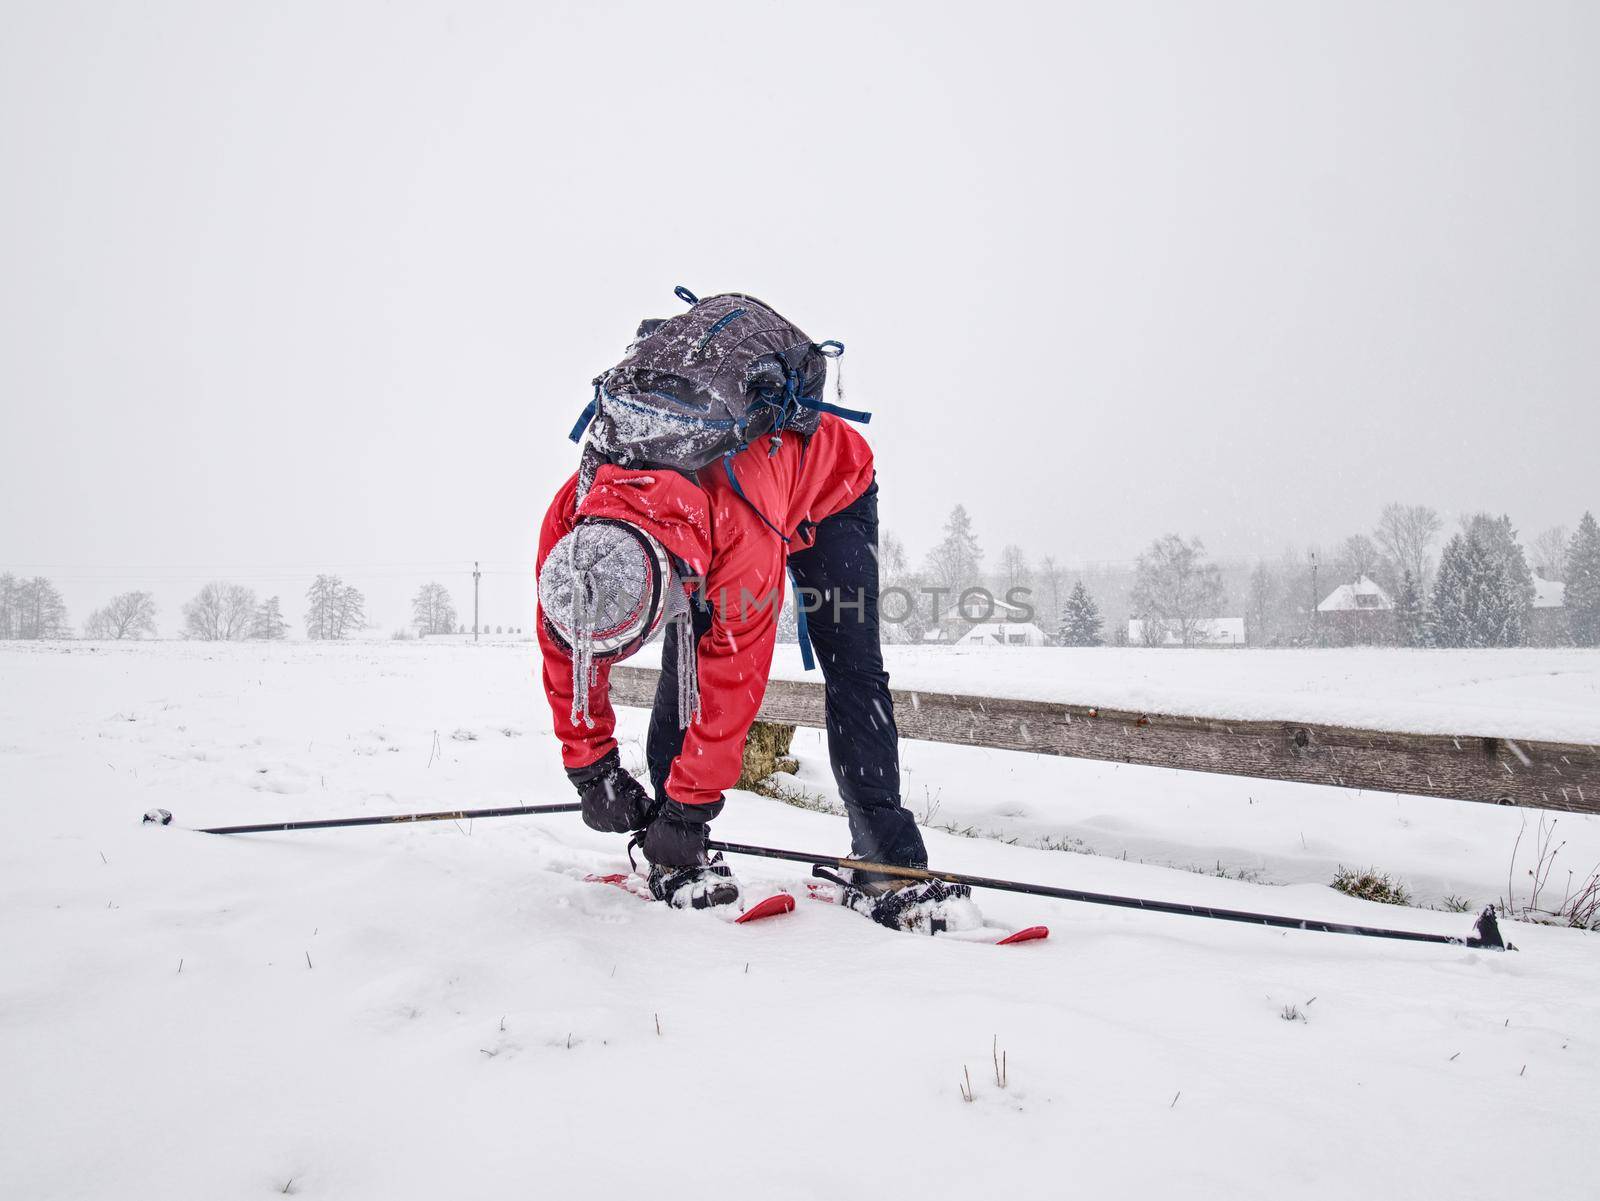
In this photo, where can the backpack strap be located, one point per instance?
(822, 406)
(834, 349)
(585, 417)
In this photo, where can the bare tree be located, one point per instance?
(1014, 569)
(432, 611)
(352, 611)
(337, 609)
(1176, 587)
(1050, 571)
(36, 609)
(1550, 552)
(324, 598)
(129, 615)
(1358, 556)
(1406, 534)
(1263, 596)
(8, 605)
(892, 561)
(219, 612)
(903, 608)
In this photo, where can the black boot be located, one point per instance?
(701, 886)
(917, 906)
(682, 873)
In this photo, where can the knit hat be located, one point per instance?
(605, 590)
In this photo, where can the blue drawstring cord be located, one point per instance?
(727, 466)
(802, 628)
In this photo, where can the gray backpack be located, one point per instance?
(702, 386)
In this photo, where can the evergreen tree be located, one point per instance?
(1583, 583)
(1410, 619)
(1513, 590)
(1080, 619)
(268, 622)
(1469, 596)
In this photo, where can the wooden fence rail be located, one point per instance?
(1547, 775)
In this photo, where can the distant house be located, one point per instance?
(1547, 622)
(952, 625)
(1363, 596)
(1208, 631)
(1356, 614)
(1004, 633)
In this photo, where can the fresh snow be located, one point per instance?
(1551, 693)
(447, 1010)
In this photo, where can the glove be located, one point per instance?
(613, 801)
(678, 833)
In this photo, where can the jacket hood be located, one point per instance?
(670, 508)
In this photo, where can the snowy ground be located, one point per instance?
(1550, 693)
(444, 1011)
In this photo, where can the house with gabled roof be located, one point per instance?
(1355, 614)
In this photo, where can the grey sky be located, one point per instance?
(289, 286)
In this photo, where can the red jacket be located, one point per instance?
(724, 540)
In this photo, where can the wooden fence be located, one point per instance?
(1547, 775)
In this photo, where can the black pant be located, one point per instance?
(839, 573)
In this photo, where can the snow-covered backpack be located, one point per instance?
(703, 385)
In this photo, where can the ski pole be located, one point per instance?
(163, 817)
(1485, 933)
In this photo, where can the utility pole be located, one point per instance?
(1316, 628)
(476, 574)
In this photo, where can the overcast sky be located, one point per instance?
(322, 286)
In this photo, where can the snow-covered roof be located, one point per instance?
(1548, 594)
(1364, 594)
(994, 605)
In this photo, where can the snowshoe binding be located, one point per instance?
(700, 886)
(916, 906)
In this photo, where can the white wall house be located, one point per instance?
(1004, 633)
(1547, 624)
(1548, 594)
(1209, 631)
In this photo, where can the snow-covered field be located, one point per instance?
(1551, 693)
(448, 1011)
